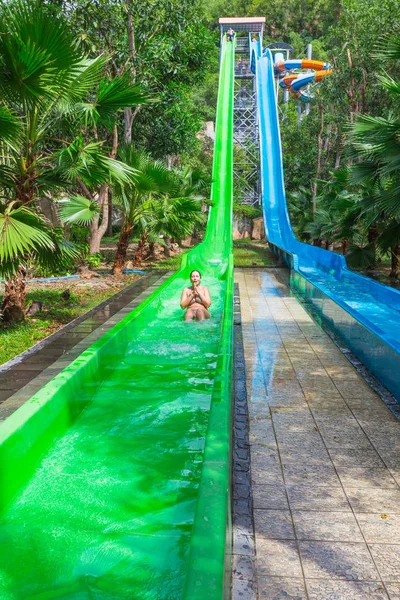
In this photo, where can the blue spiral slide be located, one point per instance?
(363, 313)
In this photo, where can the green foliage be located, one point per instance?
(246, 210)
(170, 53)
(300, 206)
(205, 96)
(94, 260)
(299, 149)
(78, 209)
(46, 82)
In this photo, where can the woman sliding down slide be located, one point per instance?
(196, 299)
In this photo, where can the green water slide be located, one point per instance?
(115, 476)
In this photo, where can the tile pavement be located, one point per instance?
(320, 503)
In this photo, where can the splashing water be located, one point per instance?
(109, 511)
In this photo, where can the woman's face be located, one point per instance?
(195, 277)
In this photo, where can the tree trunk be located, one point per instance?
(319, 155)
(317, 242)
(167, 247)
(13, 307)
(373, 235)
(109, 231)
(395, 262)
(139, 255)
(339, 151)
(152, 250)
(97, 231)
(122, 248)
(345, 246)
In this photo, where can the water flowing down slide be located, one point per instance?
(364, 313)
(115, 476)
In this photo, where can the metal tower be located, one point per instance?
(246, 157)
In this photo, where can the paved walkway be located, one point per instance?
(325, 459)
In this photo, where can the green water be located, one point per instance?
(109, 511)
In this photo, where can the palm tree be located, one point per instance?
(45, 82)
(156, 202)
(300, 212)
(133, 197)
(375, 148)
(389, 241)
(339, 209)
(174, 218)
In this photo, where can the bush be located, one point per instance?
(94, 260)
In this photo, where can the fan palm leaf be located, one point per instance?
(78, 209)
(10, 127)
(21, 230)
(37, 53)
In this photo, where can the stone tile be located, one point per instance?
(308, 455)
(391, 458)
(325, 589)
(384, 443)
(377, 413)
(318, 400)
(243, 567)
(314, 474)
(337, 560)
(258, 410)
(393, 590)
(273, 524)
(355, 389)
(278, 558)
(331, 409)
(312, 392)
(285, 588)
(300, 440)
(286, 401)
(318, 499)
(243, 590)
(380, 527)
(270, 497)
(265, 469)
(243, 542)
(294, 421)
(326, 526)
(366, 500)
(390, 429)
(336, 421)
(340, 437)
(366, 477)
(261, 431)
(387, 560)
(396, 475)
(351, 457)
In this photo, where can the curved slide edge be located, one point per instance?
(295, 83)
(316, 273)
(212, 524)
(29, 432)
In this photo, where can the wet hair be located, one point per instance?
(195, 271)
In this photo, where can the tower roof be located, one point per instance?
(250, 24)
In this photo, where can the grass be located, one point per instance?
(252, 253)
(246, 253)
(170, 264)
(17, 337)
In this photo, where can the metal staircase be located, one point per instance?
(246, 164)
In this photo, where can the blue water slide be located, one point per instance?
(363, 313)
